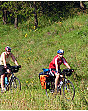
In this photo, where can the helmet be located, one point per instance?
(60, 51)
(7, 48)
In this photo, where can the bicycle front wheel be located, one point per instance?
(69, 90)
(15, 84)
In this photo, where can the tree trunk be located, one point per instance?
(35, 15)
(16, 15)
(4, 16)
(81, 5)
(16, 22)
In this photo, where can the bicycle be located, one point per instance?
(68, 87)
(13, 83)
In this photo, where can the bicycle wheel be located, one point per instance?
(69, 90)
(7, 86)
(15, 84)
(58, 90)
(50, 91)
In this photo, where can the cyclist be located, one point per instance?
(55, 65)
(4, 65)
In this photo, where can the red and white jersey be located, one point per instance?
(59, 62)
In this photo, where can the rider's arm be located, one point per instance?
(4, 60)
(56, 65)
(65, 63)
(13, 58)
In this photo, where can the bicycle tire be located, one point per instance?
(15, 84)
(50, 91)
(69, 90)
(59, 90)
(7, 86)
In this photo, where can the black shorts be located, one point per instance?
(3, 70)
(54, 71)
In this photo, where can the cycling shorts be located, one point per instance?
(3, 70)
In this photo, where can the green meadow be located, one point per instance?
(34, 50)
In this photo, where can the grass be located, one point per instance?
(34, 50)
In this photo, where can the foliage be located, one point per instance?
(25, 10)
(34, 49)
(86, 3)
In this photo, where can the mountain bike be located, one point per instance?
(63, 84)
(13, 83)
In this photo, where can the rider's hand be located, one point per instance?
(5, 67)
(8, 71)
(61, 75)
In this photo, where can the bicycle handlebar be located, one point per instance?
(13, 69)
(68, 70)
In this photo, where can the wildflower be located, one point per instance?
(30, 30)
(25, 35)
(32, 82)
(87, 88)
(26, 81)
(28, 50)
(48, 33)
(34, 27)
(39, 25)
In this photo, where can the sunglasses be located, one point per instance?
(61, 54)
(8, 51)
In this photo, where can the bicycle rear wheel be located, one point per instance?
(69, 90)
(50, 91)
(15, 84)
(58, 90)
(7, 86)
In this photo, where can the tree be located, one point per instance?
(81, 5)
(35, 15)
(4, 11)
(23, 10)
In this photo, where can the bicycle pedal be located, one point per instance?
(52, 91)
(59, 87)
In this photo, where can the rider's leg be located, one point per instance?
(2, 81)
(8, 75)
(56, 79)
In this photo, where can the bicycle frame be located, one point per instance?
(13, 69)
(64, 79)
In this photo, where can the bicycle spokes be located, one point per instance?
(15, 84)
(69, 90)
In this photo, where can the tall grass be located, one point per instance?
(34, 49)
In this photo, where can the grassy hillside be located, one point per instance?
(34, 49)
